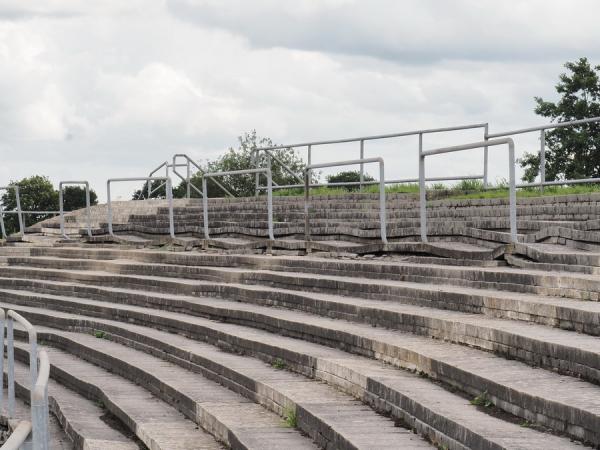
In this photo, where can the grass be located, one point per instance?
(99, 334)
(278, 363)
(291, 420)
(482, 400)
(466, 189)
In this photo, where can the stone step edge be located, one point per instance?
(91, 392)
(568, 360)
(307, 421)
(157, 387)
(79, 441)
(513, 402)
(374, 393)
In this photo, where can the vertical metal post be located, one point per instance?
(422, 191)
(19, 211)
(11, 367)
(33, 367)
(382, 205)
(109, 205)
(309, 163)
(88, 208)
(2, 229)
(61, 210)
(205, 208)
(270, 204)
(513, 192)
(485, 157)
(362, 166)
(188, 193)
(169, 188)
(306, 209)
(542, 159)
(149, 189)
(256, 175)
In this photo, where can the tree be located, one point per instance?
(240, 158)
(348, 176)
(243, 157)
(74, 198)
(571, 152)
(36, 194)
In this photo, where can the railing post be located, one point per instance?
(306, 209)
(11, 367)
(205, 208)
(61, 210)
(513, 191)
(362, 166)
(542, 159)
(257, 175)
(19, 211)
(485, 157)
(382, 204)
(2, 229)
(39, 406)
(109, 206)
(169, 187)
(270, 204)
(422, 191)
(188, 193)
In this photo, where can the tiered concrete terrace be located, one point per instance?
(465, 342)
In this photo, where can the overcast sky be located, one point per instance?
(111, 88)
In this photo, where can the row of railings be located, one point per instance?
(19, 212)
(31, 433)
(183, 161)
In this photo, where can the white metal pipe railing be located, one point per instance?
(36, 430)
(542, 164)
(190, 162)
(267, 171)
(169, 190)
(19, 212)
(87, 206)
(361, 140)
(382, 205)
(458, 148)
(370, 183)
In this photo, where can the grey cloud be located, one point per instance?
(414, 31)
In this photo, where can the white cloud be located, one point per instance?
(112, 88)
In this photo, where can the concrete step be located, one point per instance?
(552, 348)
(423, 405)
(558, 254)
(329, 417)
(156, 424)
(337, 276)
(86, 423)
(58, 439)
(230, 418)
(555, 400)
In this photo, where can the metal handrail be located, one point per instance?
(239, 172)
(190, 162)
(382, 206)
(362, 141)
(18, 437)
(38, 427)
(18, 211)
(148, 179)
(151, 175)
(87, 206)
(457, 148)
(542, 165)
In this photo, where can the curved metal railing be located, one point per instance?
(32, 433)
